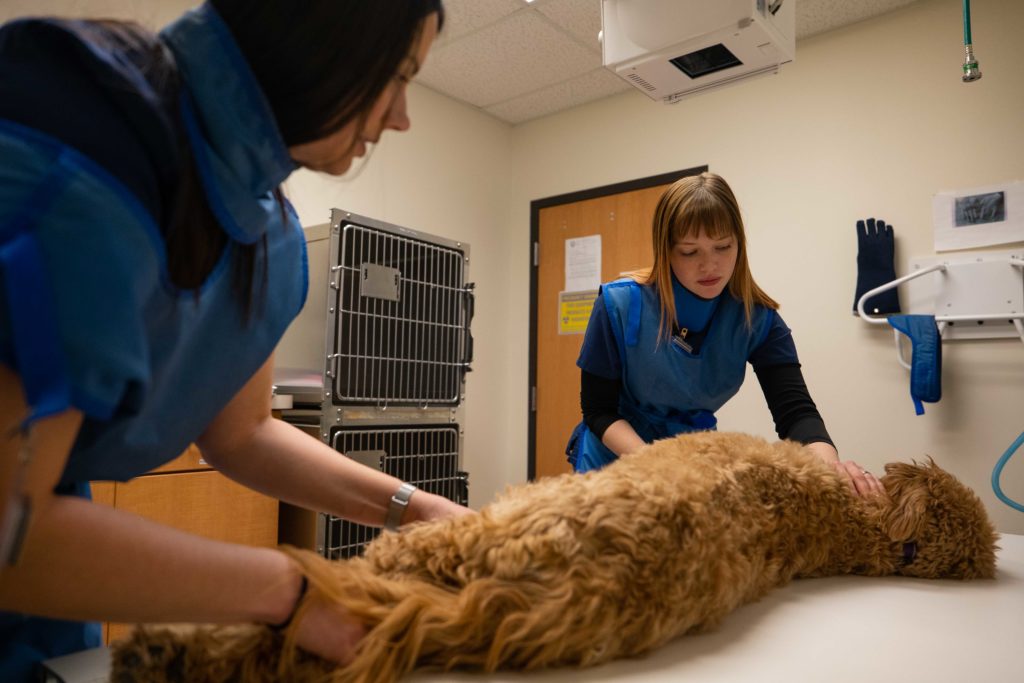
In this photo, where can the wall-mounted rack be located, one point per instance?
(972, 296)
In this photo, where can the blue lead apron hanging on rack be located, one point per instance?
(926, 357)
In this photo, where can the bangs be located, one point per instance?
(708, 217)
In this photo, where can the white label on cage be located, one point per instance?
(583, 263)
(379, 282)
(979, 217)
(371, 458)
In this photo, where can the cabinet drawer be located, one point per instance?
(191, 459)
(205, 503)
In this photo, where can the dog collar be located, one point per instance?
(909, 552)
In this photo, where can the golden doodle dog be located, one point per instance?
(578, 570)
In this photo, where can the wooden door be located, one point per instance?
(623, 220)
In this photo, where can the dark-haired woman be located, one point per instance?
(148, 266)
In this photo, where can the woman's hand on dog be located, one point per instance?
(859, 479)
(329, 632)
(332, 633)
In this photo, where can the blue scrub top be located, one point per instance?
(666, 389)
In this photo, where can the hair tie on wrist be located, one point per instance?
(303, 587)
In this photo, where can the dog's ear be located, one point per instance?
(955, 538)
(963, 540)
(907, 487)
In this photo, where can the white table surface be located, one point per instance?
(836, 630)
(839, 629)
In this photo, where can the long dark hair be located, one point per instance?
(193, 240)
(321, 65)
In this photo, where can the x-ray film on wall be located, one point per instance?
(979, 217)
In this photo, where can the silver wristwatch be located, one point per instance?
(397, 506)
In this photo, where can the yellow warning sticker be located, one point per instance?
(574, 311)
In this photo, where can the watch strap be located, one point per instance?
(396, 506)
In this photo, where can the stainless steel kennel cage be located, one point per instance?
(425, 455)
(399, 334)
(397, 347)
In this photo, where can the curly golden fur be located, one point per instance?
(578, 570)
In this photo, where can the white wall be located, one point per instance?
(871, 120)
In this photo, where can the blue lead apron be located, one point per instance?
(667, 390)
(124, 329)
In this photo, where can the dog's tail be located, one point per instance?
(486, 625)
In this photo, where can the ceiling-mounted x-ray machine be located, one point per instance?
(669, 49)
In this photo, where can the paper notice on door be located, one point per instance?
(582, 263)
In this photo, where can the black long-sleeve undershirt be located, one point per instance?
(795, 415)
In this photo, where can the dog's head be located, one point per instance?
(946, 520)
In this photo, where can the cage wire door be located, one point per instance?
(426, 456)
(402, 329)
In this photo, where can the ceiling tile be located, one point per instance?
(515, 60)
(580, 18)
(591, 86)
(818, 16)
(513, 57)
(462, 17)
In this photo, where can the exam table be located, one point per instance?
(839, 629)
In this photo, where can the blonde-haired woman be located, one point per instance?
(666, 348)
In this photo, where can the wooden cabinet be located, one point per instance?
(189, 495)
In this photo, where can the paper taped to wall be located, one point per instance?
(979, 217)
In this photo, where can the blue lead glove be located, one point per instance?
(875, 253)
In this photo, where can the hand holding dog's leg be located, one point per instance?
(330, 632)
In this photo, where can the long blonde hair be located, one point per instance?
(690, 206)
